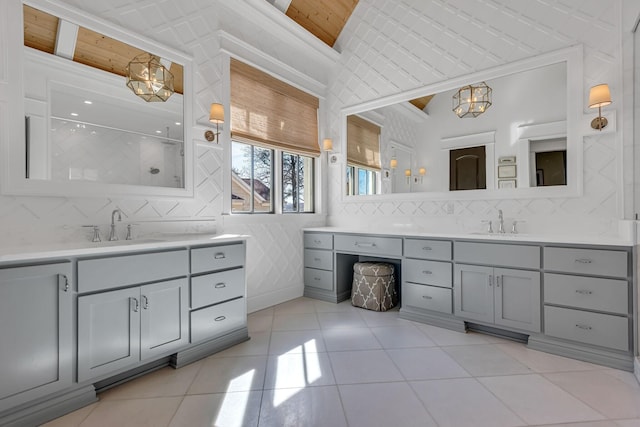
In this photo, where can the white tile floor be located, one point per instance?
(312, 363)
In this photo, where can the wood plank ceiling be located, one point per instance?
(325, 19)
(91, 48)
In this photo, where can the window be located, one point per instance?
(297, 183)
(362, 181)
(274, 132)
(251, 178)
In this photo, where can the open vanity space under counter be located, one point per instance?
(571, 297)
(78, 318)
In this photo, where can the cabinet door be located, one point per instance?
(164, 317)
(108, 332)
(517, 299)
(473, 292)
(36, 334)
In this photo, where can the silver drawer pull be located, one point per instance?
(583, 292)
(583, 327)
(365, 245)
(145, 305)
(64, 279)
(427, 248)
(317, 242)
(317, 259)
(219, 318)
(584, 261)
(426, 272)
(427, 297)
(220, 285)
(136, 304)
(219, 255)
(316, 278)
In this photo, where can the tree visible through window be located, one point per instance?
(251, 178)
(297, 183)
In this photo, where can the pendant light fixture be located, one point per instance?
(149, 79)
(472, 100)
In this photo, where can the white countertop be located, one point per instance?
(495, 237)
(83, 248)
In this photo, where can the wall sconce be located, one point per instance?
(327, 145)
(422, 172)
(407, 174)
(148, 78)
(599, 96)
(393, 163)
(216, 115)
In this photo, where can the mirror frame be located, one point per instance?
(573, 56)
(14, 151)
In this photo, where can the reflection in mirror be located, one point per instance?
(527, 119)
(363, 157)
(83, 124)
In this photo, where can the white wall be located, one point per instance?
(389, 47)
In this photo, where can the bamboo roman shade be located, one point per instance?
(270, 112)
(363, 147)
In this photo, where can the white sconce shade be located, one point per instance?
(599, 96)
(327, 144)
(422, 171)
(393, 163)
(216, 115)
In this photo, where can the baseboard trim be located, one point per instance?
(580, 352)
(207, 348)
(260, 302)
(454, 324)
(636, 369)
(50, 408)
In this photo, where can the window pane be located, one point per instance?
(297, 183)
(241, 172)
(262, 171)
(362, 181)
(251, 177)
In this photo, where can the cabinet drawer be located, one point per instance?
(498, 254)
(592, 328)
(322, 279)
(427, 249)
(217, 287)
(387, 246)
(217, 320)
(436, 273)
(318, 240)
(426, 297)
(112, 272)
(587, 292)
(318, 259)
(217, 258)
(586, 261)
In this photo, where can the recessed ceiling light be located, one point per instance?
(88, 102)
(158, 131)
(178, 123)
(74, 114)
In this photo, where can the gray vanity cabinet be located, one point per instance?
(36, 334)
(119, 328)
(501, 296)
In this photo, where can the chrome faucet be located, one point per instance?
(112, 234)
(500, 222)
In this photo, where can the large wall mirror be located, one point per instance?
(525, 143)
(89, 129)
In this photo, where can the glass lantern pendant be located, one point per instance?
(472, 100)
(149, 79)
